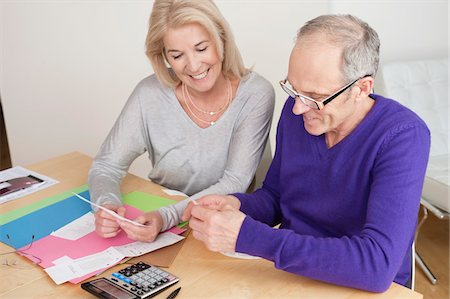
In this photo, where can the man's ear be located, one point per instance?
(364, 87)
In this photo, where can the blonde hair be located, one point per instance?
(175, 13)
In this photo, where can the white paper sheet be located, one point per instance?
(140, 248)
(112, 213)
(76, 229)
(63, 272)
(63, 260)
(66, 269)
(174, 192)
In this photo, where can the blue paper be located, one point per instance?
(43, 222)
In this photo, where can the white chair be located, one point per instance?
(422, 86)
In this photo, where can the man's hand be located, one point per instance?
(213, 202)
(218, 229)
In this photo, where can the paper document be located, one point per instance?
(63, 272)
(174, 192)
(68, 269)
(77, 229)
(17, 172)
(108, 211)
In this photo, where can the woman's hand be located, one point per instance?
(106, 224)
(153, 224)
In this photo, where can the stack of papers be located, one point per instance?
(19, 171)
(63, 238)
(75, 270)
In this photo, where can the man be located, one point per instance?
(347, 174)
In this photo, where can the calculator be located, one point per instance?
(136, 281)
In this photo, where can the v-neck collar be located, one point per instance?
(191, 123)
(320, 142)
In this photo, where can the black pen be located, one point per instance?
(174, 293)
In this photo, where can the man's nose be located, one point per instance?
(299, 108)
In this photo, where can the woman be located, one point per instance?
(202, 117)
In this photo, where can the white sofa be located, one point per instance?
(423, 87)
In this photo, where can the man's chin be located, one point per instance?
(315, 131)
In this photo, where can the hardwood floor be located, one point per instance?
(433, 245)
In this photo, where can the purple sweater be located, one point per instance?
(348, 214)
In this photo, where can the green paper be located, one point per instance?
(15, 214)
(146, 202)
(140, 200)
(183, 224)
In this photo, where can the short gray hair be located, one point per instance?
(360, 43)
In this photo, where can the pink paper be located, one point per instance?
(51, 248)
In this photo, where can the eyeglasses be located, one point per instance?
(310, 102)
(33, 258)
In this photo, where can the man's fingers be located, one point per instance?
(198, 235)
(196, 224)
(187, 212)
(201, 212)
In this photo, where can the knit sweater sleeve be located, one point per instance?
(124, 143)
(370, 259)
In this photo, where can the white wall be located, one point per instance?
(67, 67)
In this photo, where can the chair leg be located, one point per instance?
(425, 269)
(418, 258)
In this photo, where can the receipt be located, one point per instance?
(112, 213)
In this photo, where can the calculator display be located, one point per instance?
(109, 288)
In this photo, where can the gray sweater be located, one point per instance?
(220, 159)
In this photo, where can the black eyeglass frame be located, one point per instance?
(310, 102)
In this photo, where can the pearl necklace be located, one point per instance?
(187, 96)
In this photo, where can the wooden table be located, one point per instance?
(203, 274)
